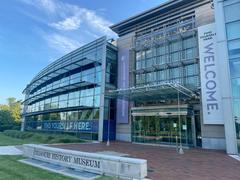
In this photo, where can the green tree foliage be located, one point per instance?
(10, 114)
(6, 117)
(15, 108)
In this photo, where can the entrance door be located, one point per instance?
(162, 130)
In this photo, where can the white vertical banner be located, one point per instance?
(209, 72)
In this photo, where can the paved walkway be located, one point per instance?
(164, 163)
(9, 150)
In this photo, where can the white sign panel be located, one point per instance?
(210, 86)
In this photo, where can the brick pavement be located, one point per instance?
(164, 163)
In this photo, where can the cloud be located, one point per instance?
(70, 23)
(97, 22)
(70, 17)
(61, 43)
(47, 5)
(62, 17)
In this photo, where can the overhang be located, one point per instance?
(163, 8)
(159, 91)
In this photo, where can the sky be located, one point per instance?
(34, 33)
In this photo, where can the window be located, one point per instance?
(74, 95)
(149, 53)
(138, 65)
(151, 77)
(47, 104)
(54, 116)
(63, 104)
(85, 114)
(189, 42)
(54, 105)
(236, 87)
(175, 57)
(98, 77)
(63, 116)
(232, 12)
(96, 101)
(191, 70)
(234, 48)
(138, 56)
(236, 107)
(56, 84)
(175, 46)
(143, 55)
(235, 67)
(64, 81)
(73, 102)
(72, 115)
(162, 75)
(175, 73)
(233, 30)
(97, 90)
(161, 50)
(63, 97)
(192, 81)
(96, 114)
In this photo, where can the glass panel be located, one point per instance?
(73, 102)
(62, 104)
(138, 56)
(74, 95)
(232, 12)
(233, 30)
(63, 97)
(236, 87)
(235, 68)
(72, 115)
(234, 48)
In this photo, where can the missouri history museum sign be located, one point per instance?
(92, 162)
(210, 86)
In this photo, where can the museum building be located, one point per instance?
(171, 77)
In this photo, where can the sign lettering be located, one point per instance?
(210, 86)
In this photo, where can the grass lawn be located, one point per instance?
(11, 169)
(6, 140)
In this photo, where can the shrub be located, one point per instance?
(42, 137)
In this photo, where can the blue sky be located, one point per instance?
(34, 33)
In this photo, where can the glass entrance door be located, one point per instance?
(161, 130)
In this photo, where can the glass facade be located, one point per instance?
(171, 61)
(168, 55)
(232, 19)
(70, 100)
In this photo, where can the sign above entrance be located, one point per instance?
(210, 86)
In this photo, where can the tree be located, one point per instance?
(6, 117)
(15, 108)
(10, 114)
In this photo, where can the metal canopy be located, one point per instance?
(158, 91)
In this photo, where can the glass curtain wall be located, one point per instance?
(232, 19)
(161, 58)
(75, 101)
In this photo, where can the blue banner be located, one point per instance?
(71, 126)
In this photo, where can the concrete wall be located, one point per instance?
(123, 130)
(204, 15)
(222, 55)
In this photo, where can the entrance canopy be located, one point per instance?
(158, 91)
